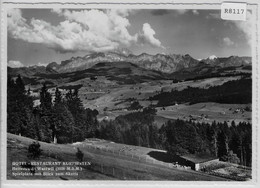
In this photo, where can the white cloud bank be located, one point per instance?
(14, 64)
(85, 30)
(243, 26)
(147, 36)
(246, 26)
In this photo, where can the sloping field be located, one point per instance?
(104, 163)
(207, 112)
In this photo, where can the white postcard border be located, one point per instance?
(144, 4)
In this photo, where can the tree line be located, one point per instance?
(179, 137)
(62, 119)
(231, 92)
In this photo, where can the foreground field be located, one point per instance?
(105, 165)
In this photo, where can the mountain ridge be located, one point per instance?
(160, 62)
(169, 64)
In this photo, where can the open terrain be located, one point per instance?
(112, 99)
(110, 82)
(104, 163)
(193, 93)
(207, 112)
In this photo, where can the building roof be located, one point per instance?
(198, 158)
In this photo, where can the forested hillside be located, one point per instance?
(231, 92)
(65, 119)
(180, 137)
(61, 118)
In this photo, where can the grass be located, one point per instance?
(212, 111)
(104, 165)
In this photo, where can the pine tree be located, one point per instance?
(75, 106)
(222, 150)
(46, 123)
(45, 99)
(63, 124)
(19, 107)
(20, 85)
(58, 97)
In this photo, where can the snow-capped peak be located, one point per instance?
(212, 57)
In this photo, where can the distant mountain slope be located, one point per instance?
(122, 72)
(30, 71)
(126, 72)
(228, 61)
(159, 62)
(159, 66)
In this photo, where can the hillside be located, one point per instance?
(104, 164)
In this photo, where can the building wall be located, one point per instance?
(208, 163)
(193, 165)
(196, 167)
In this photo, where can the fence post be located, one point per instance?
(113, 171)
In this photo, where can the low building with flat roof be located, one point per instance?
(195, 161)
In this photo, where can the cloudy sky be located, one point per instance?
(41, 36)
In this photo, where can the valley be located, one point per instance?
(111, 88)
(132, 106)
(152, 91)
(112, 99)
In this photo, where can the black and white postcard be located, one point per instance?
(115, 92)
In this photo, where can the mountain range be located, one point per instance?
(169, 64)
(159, 62)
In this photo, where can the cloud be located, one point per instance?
(56, 10)
(181, 11)
(84, 30)
(159, 12)
(246, 26)
(147, 36)
(185, 11)
(195, 12)
(213, 16)
(14, 64)
(227, 41)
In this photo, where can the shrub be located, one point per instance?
(79, 155)
(34, 150)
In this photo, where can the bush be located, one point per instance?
(79, 155)
(34, 150)
(248, 109)
(135, 106)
